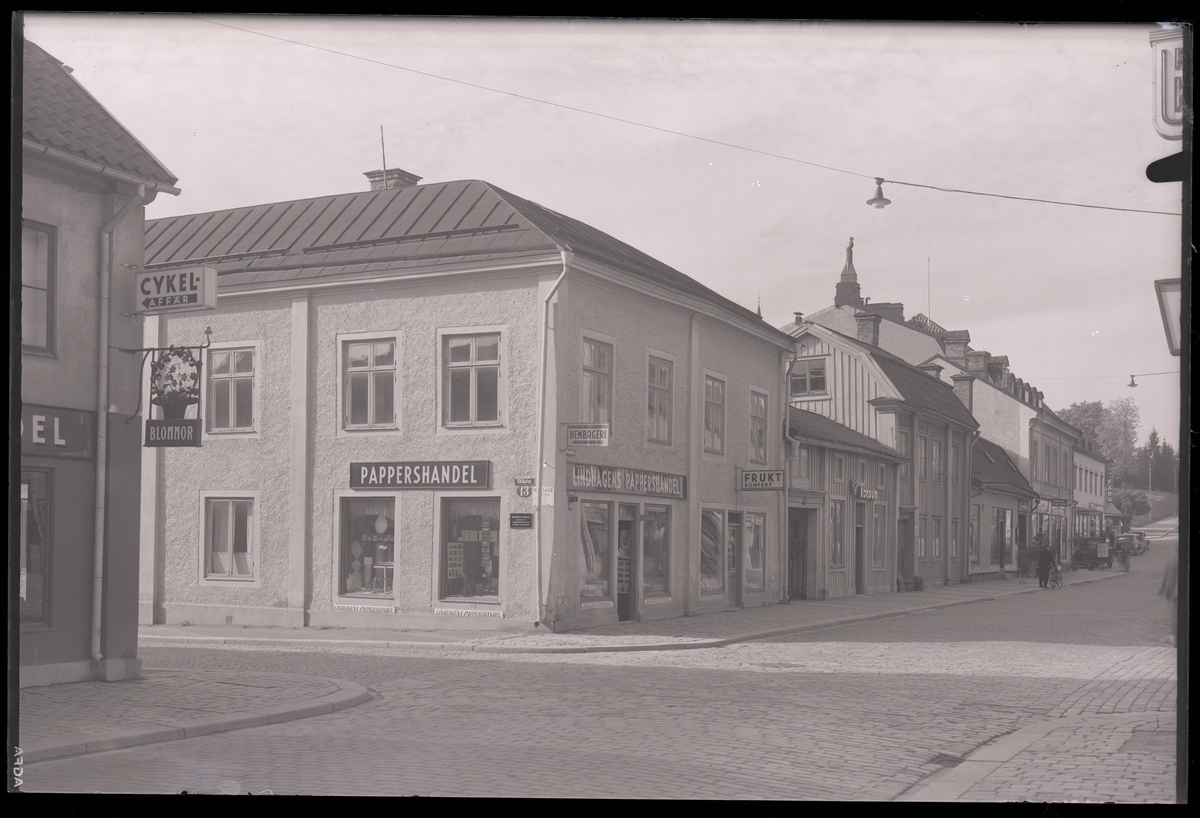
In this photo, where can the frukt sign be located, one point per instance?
(184, 290)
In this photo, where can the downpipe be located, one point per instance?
(106, 252)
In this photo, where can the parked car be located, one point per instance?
(1142, 541)
(1129, 543)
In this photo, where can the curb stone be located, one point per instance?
(347, 695)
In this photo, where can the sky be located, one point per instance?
(740, 153)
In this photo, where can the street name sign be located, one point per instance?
(184, 290)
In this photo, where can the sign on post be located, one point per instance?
(184, 290)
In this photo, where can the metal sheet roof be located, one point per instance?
(60, 113)
(991, 466)
(811, 426)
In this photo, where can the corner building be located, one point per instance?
(385, 369)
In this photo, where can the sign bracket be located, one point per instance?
(148, 351)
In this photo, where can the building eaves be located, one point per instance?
(811, 427)
(992, 467)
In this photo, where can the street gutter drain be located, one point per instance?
(944, 760)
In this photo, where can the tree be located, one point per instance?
(1131, 502)
(1113, 430)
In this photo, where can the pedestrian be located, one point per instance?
(1168, 591)
(1045, 560)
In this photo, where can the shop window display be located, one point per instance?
(368, 547)
(712, 574)
(655, 551)
(596, 538)
(35, 546)
(756, 529)
(471, 548)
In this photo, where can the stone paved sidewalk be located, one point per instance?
(84, 717)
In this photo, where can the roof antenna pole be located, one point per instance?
(928, 280)
(383, 151)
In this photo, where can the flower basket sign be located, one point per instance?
(174, 386)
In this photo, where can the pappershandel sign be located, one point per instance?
(456, 474)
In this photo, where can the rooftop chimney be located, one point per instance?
(998, 369)
(932, 370)
(957, 344)
(890, 310)
(964, 389)
(799, 318)
(977, 362)
(868, 327)
(391, 178)
(847, 292)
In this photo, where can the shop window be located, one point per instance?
(756, 532)
(973, 533)
(714, 415)
(879, 549)
(367, 547)
(231, 388)
(712, 572)
(758, 427)
(230, 538)
(471, 380)
(470, 548)
(953, 540)
(937, 460)
(369, 383)
(837, 512)
(37, 287)
(922, 536)
(596, 537)
(808, 378)
(656, 551)
(903, 444)
(596, 400)
(936, 538)
(800, 464)
(35, 547)
(658, 401)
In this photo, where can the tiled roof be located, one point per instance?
(811, 426)
(991, 466)
(59, 113)
(387, 230)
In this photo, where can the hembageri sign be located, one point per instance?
(171, 291)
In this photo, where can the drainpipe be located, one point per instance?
(785, 535)
(106, 252)
(541, 464)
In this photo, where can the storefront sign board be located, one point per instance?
(626, 481)
(47, 431)
(426, 475)
(862, 492)
(760, 480)
(1059, 503)
(587, 434)
(520, 520)
(175, 432)
(184, 290)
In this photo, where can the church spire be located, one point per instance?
(847, 292)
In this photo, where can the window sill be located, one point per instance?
(39, 352)
(35, 627)
(466, 430)
(382, 597)
(471, 600)
(235, 580)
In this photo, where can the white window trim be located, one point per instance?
(202, 407)
(435, 574)
(766, 394)
(334, 594)
(824, 394)
(707, 453)
(585, 334)
(255, 539)
(341, 339)
(671, 359)
(502, 426)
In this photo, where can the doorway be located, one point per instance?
(626, 545)
(905, 569)
(860, 547)
(798, 520)
(733, 561)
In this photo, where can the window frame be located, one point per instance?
(253, 534)
(935, 458)
(807, 363)
(953, 539)
(206, 430)
(935, 538)
(51, 232)
(837, 531)
(955, 455)
(586, 407)
(801, 465)
(440, 499)
(760, 424)
(340, 495)
(922, 536)
(653, 508)
(498, 426)
(750, 515)
(923, 457)
(45, 620)
(904, 446)
(344, 339)
(653, 357)
(613, 508)
(722, 513)
(879, 532)
(724, 382)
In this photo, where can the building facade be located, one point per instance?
(1091, 480)
(443, 403)
(85, 182)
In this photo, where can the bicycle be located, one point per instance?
(1055, 576)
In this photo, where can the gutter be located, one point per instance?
(541, 464)
(106, 251)
(97, 168)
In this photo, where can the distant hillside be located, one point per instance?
(1162, 504)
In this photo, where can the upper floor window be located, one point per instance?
(838, 472)
(714, 414)
(471, 380)
(1033, 460)
(37, 287)
(596, 400)
(658, 402)
(758, 427)
(903, 444)
(954, 460)
(1066, 469)
(229, 542)
(800, 464)
(937, 460)
(1049, 464)
(923, 457)
(369, 383)
(882, 482)
(808, 378)
(231, 387)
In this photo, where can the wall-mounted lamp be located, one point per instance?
(878, 201)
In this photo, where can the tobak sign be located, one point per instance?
(183, 290)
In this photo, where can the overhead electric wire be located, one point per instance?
(1102, 377)
(670, 131)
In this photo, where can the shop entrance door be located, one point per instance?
(860, 547)
(733, 561)
(797, 553)
(904, 552)
(626, 545)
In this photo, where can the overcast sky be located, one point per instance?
(242, 117)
